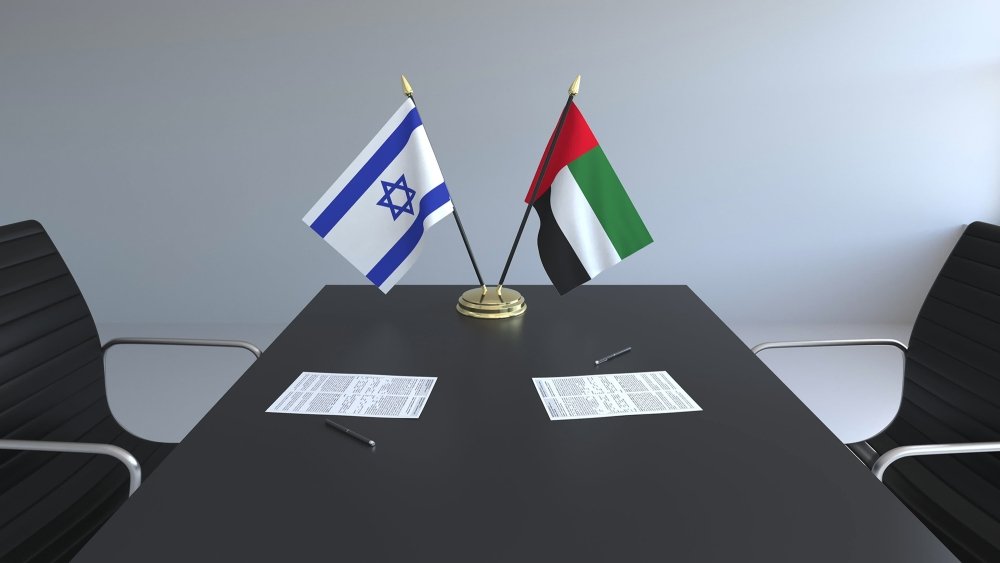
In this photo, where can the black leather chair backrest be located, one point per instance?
(951, 393)
(52, 388)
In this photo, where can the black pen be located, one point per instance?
(350, 432)
(612, 356)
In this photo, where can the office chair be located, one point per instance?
(950, 406)
(66, 464)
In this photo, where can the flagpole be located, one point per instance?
(574, 89)
(408, 91)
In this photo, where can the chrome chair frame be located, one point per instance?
(122, 455)
(820, 343)
(895, 454)
(886, 459)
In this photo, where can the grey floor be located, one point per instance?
(854, 391)
(160, 393)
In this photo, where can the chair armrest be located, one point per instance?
(819, 343)
(183, 342)
(895, 454)
(122, 455)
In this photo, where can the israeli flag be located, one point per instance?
(376, 213)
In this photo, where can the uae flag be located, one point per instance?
(588, 222)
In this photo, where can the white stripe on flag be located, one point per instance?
(579, 223)
(359, 161)
(404, 266)
(367, 232)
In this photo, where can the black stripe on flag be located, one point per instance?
(558, 257)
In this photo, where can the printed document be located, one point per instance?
(612, 394)
(354, 394)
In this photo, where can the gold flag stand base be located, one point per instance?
(491, 303)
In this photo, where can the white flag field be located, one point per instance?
(376, 212)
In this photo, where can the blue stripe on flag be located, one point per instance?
(431, 201)
(365, 177)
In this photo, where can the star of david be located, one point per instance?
(386, 201)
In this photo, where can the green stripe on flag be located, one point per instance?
(606, 195)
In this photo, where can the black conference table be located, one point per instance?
(484, 475)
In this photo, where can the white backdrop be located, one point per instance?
(795, 161)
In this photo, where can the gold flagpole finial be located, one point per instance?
(574, 88)
(407, 89)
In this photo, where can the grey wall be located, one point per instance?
(795, 161)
